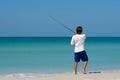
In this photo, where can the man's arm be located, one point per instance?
(72, 41)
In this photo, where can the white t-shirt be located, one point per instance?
(78, 40)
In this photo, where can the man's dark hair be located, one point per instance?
(79, 30)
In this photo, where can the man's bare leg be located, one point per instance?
(84, 67)
(75, 67)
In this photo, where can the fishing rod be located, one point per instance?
(61, 24)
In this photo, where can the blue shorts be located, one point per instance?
(80, 56)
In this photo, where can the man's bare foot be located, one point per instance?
(84, 71)
(75, 73)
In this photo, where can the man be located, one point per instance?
(80, 54)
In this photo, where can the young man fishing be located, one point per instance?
(79, 52)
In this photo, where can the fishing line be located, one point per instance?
(61, 24)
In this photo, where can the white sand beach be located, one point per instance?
(110, 75)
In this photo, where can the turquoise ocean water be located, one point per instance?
(55, 54)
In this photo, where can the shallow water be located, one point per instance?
(55, 54)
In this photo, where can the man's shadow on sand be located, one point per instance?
(94, 72)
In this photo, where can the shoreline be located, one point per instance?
(94, 75)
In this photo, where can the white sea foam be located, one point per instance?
(28, 75)
(20, 75)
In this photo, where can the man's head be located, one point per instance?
(79, 30)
